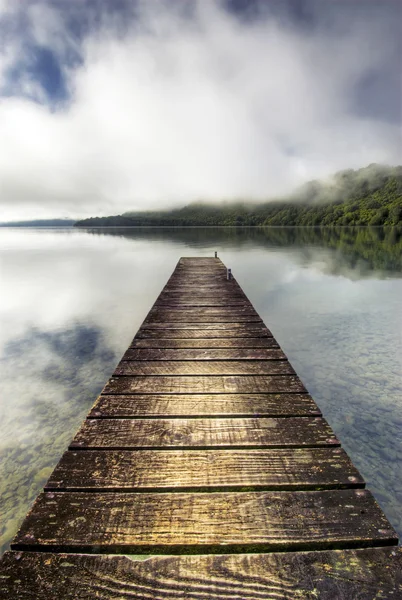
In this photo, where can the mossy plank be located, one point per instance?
(166, 523)
(328, 575)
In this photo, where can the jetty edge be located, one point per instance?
(204, 470)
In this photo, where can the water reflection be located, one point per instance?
(352, 250)
(71, 301)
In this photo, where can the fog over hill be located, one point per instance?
(368, 196)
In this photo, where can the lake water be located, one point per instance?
(72, 300)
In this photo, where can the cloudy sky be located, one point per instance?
(115, 105)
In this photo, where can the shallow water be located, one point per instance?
(72, 300)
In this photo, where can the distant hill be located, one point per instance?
(368, 196)
(40, 223)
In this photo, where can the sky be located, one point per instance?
(116, 105)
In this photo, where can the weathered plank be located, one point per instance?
(188, 299)
(173, 354)
(264, 342)
(211, 302)
(203, 367)
(169, 316)
(236, 327)
(190, 282)
(235, 384)
(194, 331)
(333, 574)
(183, 312)
(262, 432)
(165, 523)
(208, 470)
(173, 317)
(181, 295)
(206, 288)
(193, 279)
(191, 405)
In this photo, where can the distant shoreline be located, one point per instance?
(44, 223)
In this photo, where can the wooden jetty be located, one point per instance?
(205, 450)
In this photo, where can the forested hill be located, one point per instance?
(369, 196)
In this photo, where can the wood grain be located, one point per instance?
(190, 330)
(328, 575)
(203, 367)
(213, 302)
(236, 327)
(204, 433)
(230, 296)
(171, 316)
(209, 343)
(203, 354)
(227, 288)
(212, 405)
(210, 470)
(211, 311)
(165, 523)
(218, 384)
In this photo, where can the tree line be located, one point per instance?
(368, 196)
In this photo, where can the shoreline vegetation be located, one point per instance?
(349, 250)
(369, 196)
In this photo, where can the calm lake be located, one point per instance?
(72, 300)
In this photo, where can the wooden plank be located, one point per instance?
(328, 575)
(187, 314)
(235, 296)
(191, 405)
(127, 434)
(228, 291)
(173, 316)
(165, 523)
(169, 354)
(189, 274)
(208, 470)
(226, 288)
(196, 311)
(206, 288)
(219, 328)
(221, 300)
(188, 284)
(203, 367)
(262, 384)
(208, 344)
(201, 280)
(204, 270)
(193, 331)
(197, 265)
(180, 302)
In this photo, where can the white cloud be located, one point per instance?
(172, 109)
